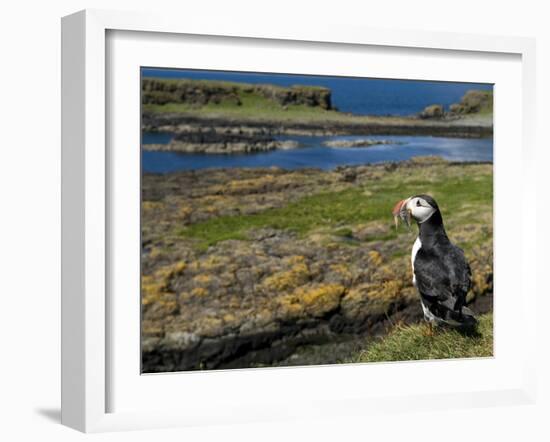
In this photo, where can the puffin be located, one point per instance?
(441, 273)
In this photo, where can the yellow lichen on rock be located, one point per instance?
(152, 289)
(209, 325)
(294, 259)
(152, 328)
(168, 272)
(289, 306)
(371, 298)
(229, 318)
(314, 300)
(354, 303)
(213, 261)
(428, 160)
(342, 269)
(481, 263)
(155, 252)
(287, 279)
(386, 292)
(155, 288)
(184, 211)
(199, 291)
(375, 258)
(250, 185)
(320, 299)
(151, 205)
(202, 278)
(383, 273)
(156, 298)
(480, 281)
(194, 266)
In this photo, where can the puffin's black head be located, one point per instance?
(418, 207)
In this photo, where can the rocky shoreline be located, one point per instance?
(362, 142)
(244, 268)
(226, 136)
(236, 140)
(211, 141)
(462, 127)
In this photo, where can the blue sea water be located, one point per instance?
(313, 153)
(363, 96)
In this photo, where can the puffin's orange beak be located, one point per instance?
(397, 208)
(400, 211)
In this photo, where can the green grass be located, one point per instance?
(253, 107)
(351, 206)
(259, 109)
(415, 342)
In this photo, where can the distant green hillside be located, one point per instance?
(170, 103)
(233, 99)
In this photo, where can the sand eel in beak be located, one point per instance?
(400, 211)
(441, 273)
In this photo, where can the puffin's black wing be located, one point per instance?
(443, 278)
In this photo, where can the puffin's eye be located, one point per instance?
(418, 203)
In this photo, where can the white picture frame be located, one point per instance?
(87, 204)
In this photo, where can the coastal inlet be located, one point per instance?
(316, 151)
(189, 124)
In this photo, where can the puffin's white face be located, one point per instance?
(419, 209)
(415, 207)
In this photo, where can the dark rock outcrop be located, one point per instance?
(473, 102)
(433, 111)
(196, 93)
(363, 142)
(222, 142)
(306, 95)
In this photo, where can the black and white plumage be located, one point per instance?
(441, 273)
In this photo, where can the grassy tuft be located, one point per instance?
(415, 342)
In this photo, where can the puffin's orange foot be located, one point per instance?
(430, 330)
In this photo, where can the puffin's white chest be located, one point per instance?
(416, 247)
